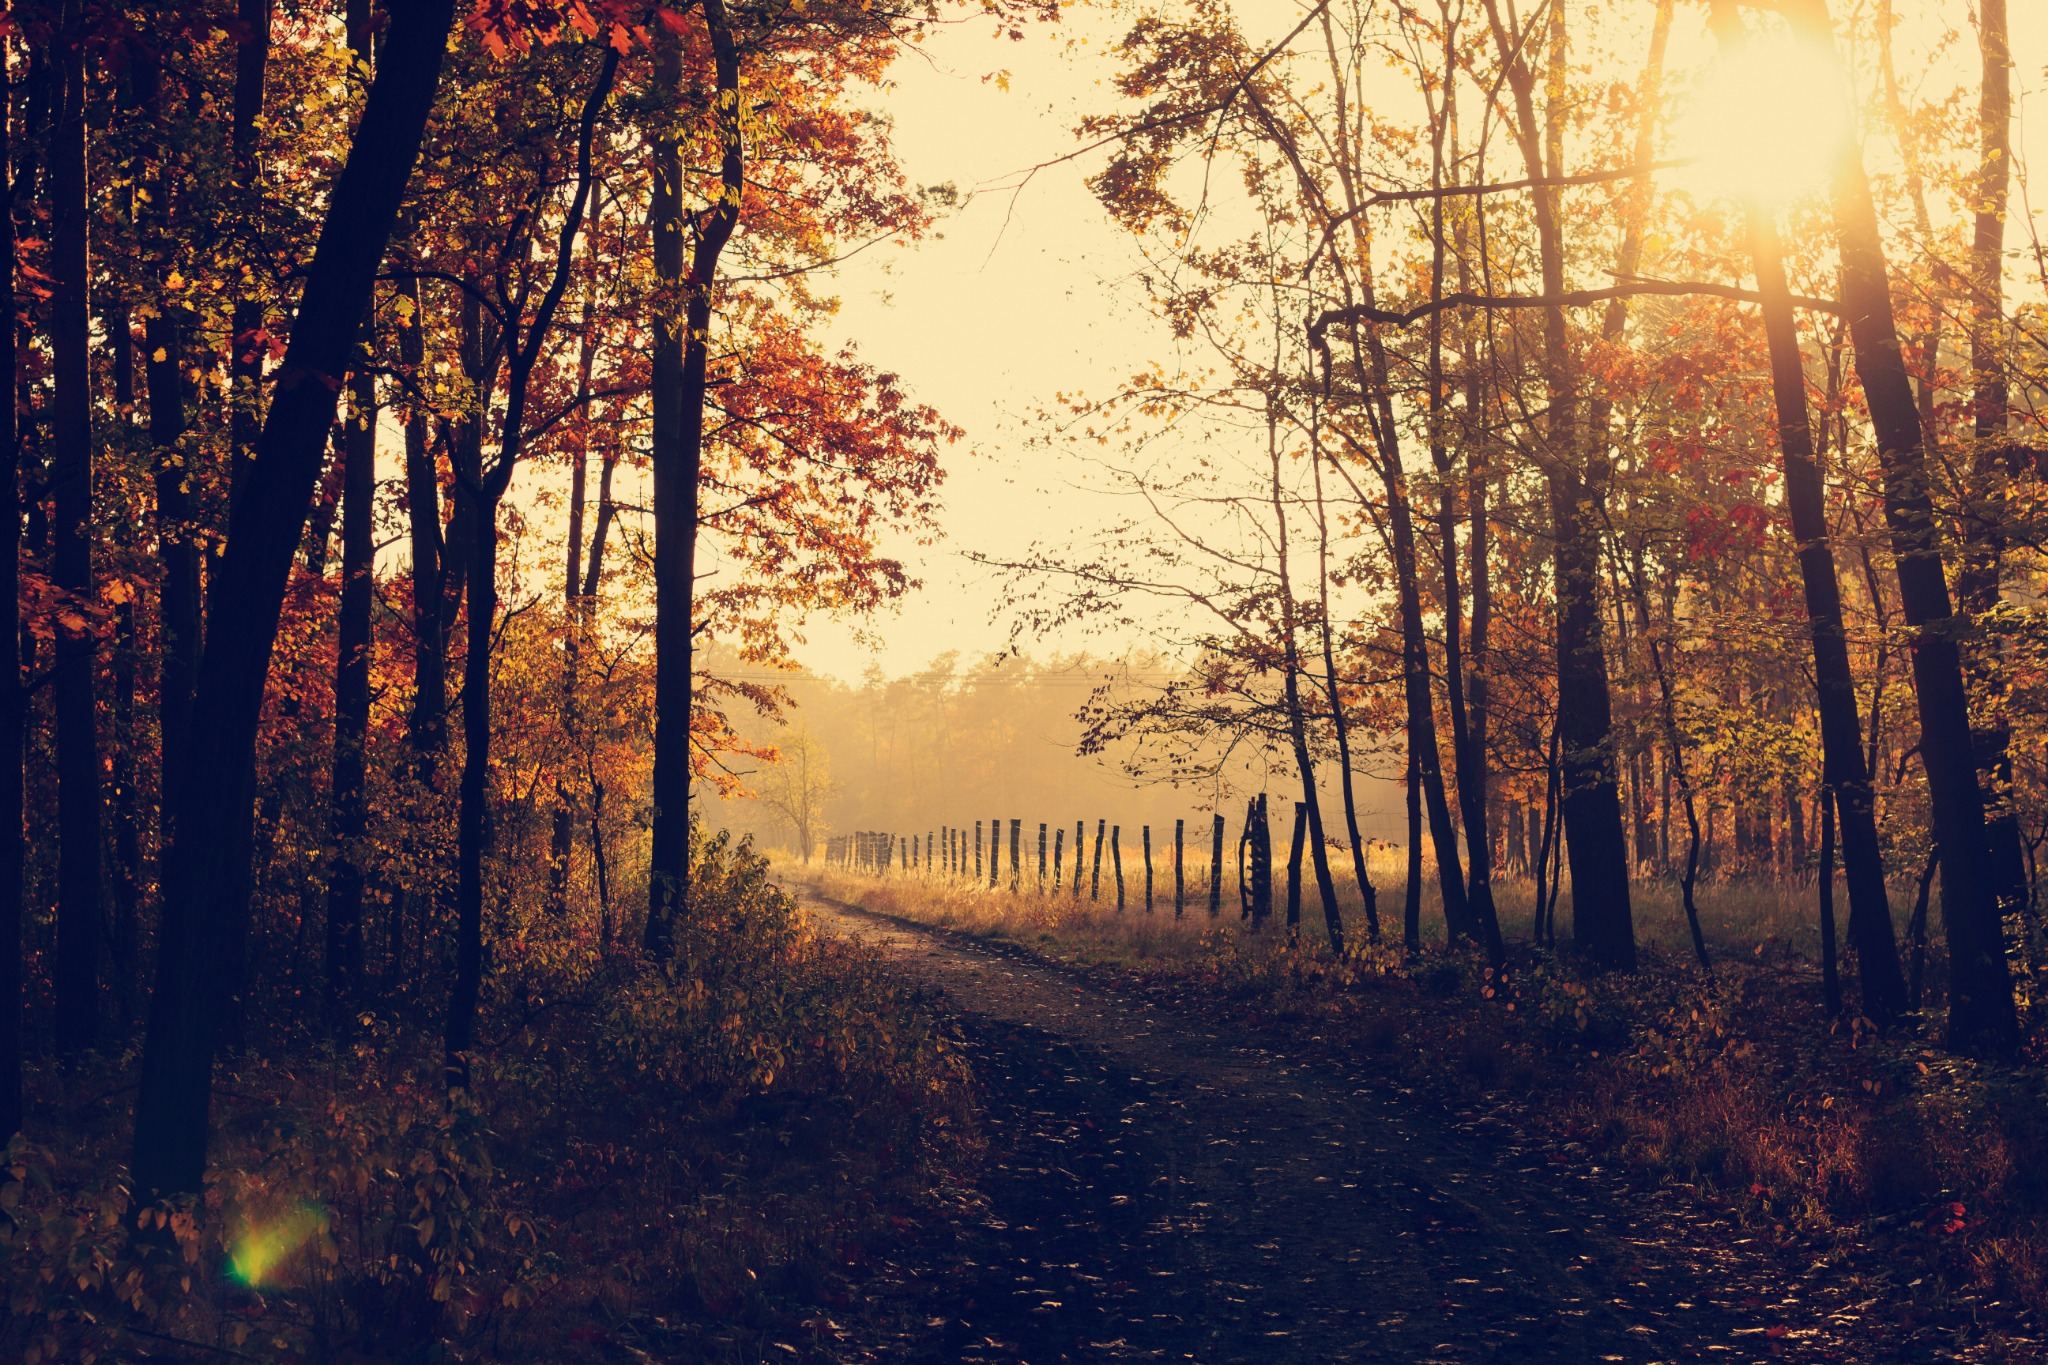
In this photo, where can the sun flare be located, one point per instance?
(1768, 122)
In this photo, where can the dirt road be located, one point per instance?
(1160, 1191)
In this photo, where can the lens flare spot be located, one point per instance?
(1769, 122)
(265, 1244)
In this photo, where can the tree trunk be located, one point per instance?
(180, 623)
(427, 721)
(1602, 919)
(486, 489)
(1992, 459)
(79, 802)
(1830, 980)
(1981, 1010)
(472, 828)
(1467, 762)
(206, 892)
(13, 698)
(353, 645)
(1297, 721)
(1339, 722)
(245, 360)
(679, 367)
(1841, 729)
(1294, 869)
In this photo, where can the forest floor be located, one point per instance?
(1168, 1184)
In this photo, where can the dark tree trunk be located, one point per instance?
(1468, 763)
(79, 802)
(1297, 720)
(206, 886)
(180, 623)
(353, 646)
(125, 809)
(13, 698)
(1602, 919)
(574, 608)
(1294, 869)
(486, 489)
(245, 362)
(1981, 1010)
(427, 722)
(472, 828)
(1411, 899)
(1841, 729)
(1830, 980)
(679, 367)
(1993, 458)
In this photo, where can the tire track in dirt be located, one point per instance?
(1158, 1190)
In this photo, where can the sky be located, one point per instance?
(1027, 291)
(1019, 296)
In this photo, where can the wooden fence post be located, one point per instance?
(1262, 861)
(1216, 870)
(1294, 868)
(1059, 851)
(1180, 885)
(1116, 858)
(1095, 875)
(1016, 855)
(1148, 869)
(1041, 857)
(995, 852)
(1080, 842)
(977, 850)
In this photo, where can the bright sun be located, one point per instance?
(1764, 123)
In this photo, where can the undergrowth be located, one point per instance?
(1735, 1089)
(692, 1163)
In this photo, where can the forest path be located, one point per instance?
(1158, 1190)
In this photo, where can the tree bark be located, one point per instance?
(427, 721)
(1844, 772)
(485, 488)
(245, 361)
(1602, 919)
(354, 644)
(1981, 1010)
(1992, 459)
(13, 697)
(679, 374)
(206, 888)
(79, 800)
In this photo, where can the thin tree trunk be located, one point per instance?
(486, 488)
(13, 697)
(679, 366)
(206, 892)
(1981, 1010)
(180, 623)
(1842, 759)
(1411, 900)
(1339, 722)
(1830, 979)
(1992, 457)
(353, 646)
(1291, 670)
(245, 360)
(79, 800)
(1467, 762)
(1602, 919)
(427, 721)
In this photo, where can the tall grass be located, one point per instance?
(1779, 919)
